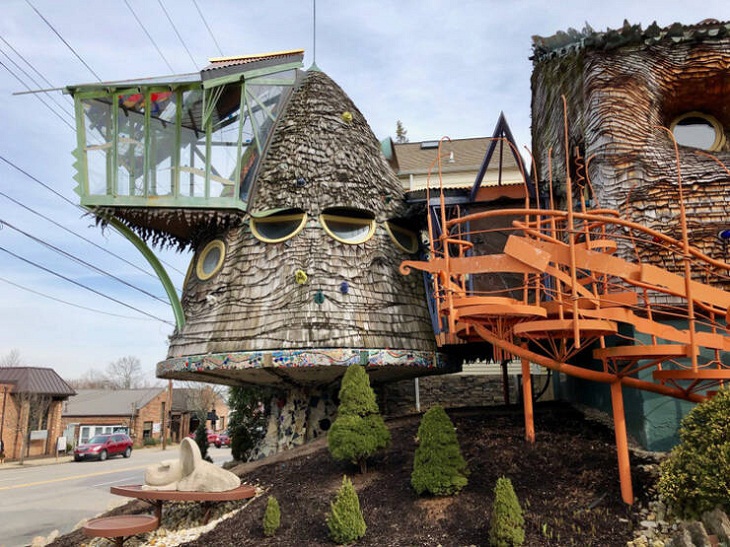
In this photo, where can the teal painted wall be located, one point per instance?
(652, 420)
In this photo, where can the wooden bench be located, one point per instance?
(120, 528)
(158, 497)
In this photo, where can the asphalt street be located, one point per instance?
(43, 496)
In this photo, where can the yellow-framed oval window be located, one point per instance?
(404, 239)
(210, 260)
(346, 225)
(278, 226)
(698, 130)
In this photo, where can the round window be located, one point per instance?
(210, 259)
(698, 130)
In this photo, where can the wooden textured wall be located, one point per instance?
(618, 97)
(318, 158)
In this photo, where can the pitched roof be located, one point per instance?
(457, 155)
(107, 402)
(43, 381)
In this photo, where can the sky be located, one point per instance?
(442, 68)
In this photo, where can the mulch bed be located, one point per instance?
(567, 484)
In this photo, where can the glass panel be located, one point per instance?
(224, 142)
(263, 104)
(695, 131)
(130, 145)
(192, 146)
(279, 226)
(99, 142)
(351, 226)
(160, 179)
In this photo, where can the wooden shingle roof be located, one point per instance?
(38, 380)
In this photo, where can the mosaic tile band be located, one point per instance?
(303, 358)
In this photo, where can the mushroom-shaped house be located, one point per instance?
(275, 181)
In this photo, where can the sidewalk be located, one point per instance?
(32, 462)
(51, 460)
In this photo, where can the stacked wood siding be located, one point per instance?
(620, 86)
(323, 154)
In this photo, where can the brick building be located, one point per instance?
(142, 413)
(31, 400)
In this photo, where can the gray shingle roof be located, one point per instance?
(468, 155)
(38, 380)
(105, 402)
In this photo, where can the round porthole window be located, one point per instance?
(698, 130)
(210, 259)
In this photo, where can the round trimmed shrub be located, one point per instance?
(438, 466)
(345, 521)
(696, 476)
(507, 525)
(272, 517)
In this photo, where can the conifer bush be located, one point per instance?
(359, 431)
(345, 521)
(507, 525)
(696, 476)
(272, 517)
(438, 466)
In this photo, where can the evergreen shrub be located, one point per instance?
(359, 431)
(507, 525)
(272, 517)
(438, 466)
(696, 475)
(345, 521)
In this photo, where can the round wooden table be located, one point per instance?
(121, 527)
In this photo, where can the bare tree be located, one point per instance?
(201, 398)
(125, 373)
(91, 379)
(32, 414)
(11, 359)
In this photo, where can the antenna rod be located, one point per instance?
(314, 32)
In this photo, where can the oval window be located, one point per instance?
(277, 226)
(698, 130)
(210, 259)
(351, 226)
(403, 238)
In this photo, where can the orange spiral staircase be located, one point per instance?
(588, 278)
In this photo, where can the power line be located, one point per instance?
(64, 120)
(71, 303)
(144, 29)
(83, 286)
(59, 225)
(62, 39)
(29, 64)
(25, 73)
(202, 17)
(176, 32)
(64, 198)
(80, 261)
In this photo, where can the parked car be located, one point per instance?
(100, 447)
(212, 436)
(223, 440)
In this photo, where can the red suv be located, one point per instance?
(100, 447)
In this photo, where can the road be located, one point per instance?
(37, 499)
